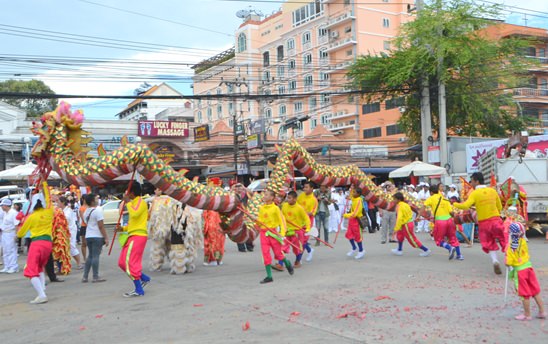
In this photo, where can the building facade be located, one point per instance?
(299, 56)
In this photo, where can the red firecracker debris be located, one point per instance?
(245, 326)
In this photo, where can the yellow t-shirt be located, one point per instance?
(404, 215)
(40, 222)
(308, 202)
(138, 216)
(271, 217)
(295, 217)
(356, 210)
(519, 256)
(444, 209)
(486, 200)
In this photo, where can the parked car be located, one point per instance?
(259, 185)
(12, 192)
(111, 212)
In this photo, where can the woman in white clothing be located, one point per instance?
(73, 229)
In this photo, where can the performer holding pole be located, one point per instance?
(354, 233)
(308, 201)
(298, 223)
(131, 257)
(270, 217)
(404, 228)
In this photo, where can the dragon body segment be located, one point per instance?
(62, 147)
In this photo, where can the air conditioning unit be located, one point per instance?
(334, 34)
(356, 127)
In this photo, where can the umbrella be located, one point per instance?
(22, 172)
(417, 168)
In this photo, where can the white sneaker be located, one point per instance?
(213, 263)
(12, 271)
(309, 257)
(39, 300)
(4, 270)
(351, 253)
(425, 253)
(360, 255)
(397, 252)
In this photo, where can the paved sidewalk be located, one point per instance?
(380, 299)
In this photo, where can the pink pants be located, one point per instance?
(131, 257)
(443, 229)
(407, 232)
(491, 230)
(268, 243)
(296, 241)
(38, 256)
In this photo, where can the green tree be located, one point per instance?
(449, 41)
(34, 106)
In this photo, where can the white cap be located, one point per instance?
(411, 186)
(453, 186)
(34, 200)
(6, 202)
(426, 184)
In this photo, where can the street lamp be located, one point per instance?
(292, 123)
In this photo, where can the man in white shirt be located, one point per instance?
(422, 195)
(9, 244)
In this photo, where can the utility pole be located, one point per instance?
(443, 114)
(426, 116)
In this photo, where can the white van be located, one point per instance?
(12, 192)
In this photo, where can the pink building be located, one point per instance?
(302, 53)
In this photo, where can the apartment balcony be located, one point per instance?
(342, 43)
(531, 95)
(324, 83)
(323, 39)
(340, 66)
(343, 18)
(324, 61)
(343, 114)
(308, 88)
(353, 125)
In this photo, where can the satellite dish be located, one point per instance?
(242, 13)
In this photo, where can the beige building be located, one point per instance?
(301, 53)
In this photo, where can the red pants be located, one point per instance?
(527, 283)
(303, 237)
(131, 257)
(296, 241)
(407, 232)
(268, 243)
(353, 232)
(489, 231)
(443, 229)
(37, 258)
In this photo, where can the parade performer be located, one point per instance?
(130, 260)
(186, 238)
(298, 223)
(444, 226)
(404, 228)
(8, 223)
(160, 220)
(522, 273)
(308, 201)
(488, 207)
(423, 194)
(271, 218)
(40, 224)
(70, 215)
(214, 238)
(354, 233)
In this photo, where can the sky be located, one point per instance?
(116, 45)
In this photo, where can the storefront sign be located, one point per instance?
(201, 133)
(162, 129)
(254, 141)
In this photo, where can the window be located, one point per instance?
(230, 123)
(542, 52)
(298, 106)
(291, 64)
(312, 103)
(322, 31)
(393, 129)
(231, 108)
(308, 80)
(307, 59)
(219, 111)
(268, 113)
(199, 117)
(208, 97)
(280, 52)
(209, 115)
(543, 84)
(325, 98)
(324, 119)
(385, 22)
(308, 12)
(266, 75)
(324, 76)
(544, 118)
(282, 110)
(530, 51)
(290, 44)
(324, 55)
(218, 90)
(313, 123)
(266, 59)
(386, 45)
(372, 132)
(306, 37)
(394, 102)
(281, 89)
(369, 108)
(292, 85)
(280, 71)
(242, 42)
(348, 29)
(349, 52)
